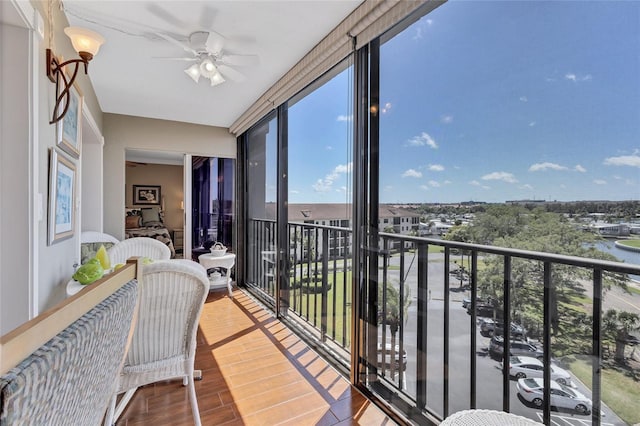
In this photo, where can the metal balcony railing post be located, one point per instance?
(473, 282)
(546, 340)
(421, 343)
(445, 346)
(506, 321)
(325, 284)
(596, 367)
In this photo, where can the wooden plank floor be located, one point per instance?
(255, 372)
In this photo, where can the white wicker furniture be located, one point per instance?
(138, 246)
(60, 367)
(480, 417)
(172, 294)
(225, 261)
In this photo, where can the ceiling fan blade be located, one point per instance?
(207, 16)
(230, 73)
(178, 43)
(175, 59)
(165, 15)
(215, 42)
(241, 60)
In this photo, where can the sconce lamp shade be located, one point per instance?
(84, 40)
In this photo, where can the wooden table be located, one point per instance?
(226, 261)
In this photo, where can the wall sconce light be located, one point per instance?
(86, 43)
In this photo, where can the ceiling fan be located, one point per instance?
(210, 59)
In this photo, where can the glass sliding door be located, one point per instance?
(320, 151)
(261, 207)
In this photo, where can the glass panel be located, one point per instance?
(320, 122)
(261, 172)
(213, 202)
(506, 124)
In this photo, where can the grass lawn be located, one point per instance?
(621, 393)
(630, 243)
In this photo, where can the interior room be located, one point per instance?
(319, 212)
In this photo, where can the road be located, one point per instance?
(488, 374)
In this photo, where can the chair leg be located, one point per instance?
(194, 402)
(123, 403)
(108, 419)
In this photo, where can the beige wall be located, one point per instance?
(170, 178)
(122, 132)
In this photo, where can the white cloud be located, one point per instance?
(623, 160)
(476, 183)
(579, 168)
(386, 108)
(447, 182)
(434, 183)
(424, 187)
(345, 118)
(524, 99)
(577, 78)
(537, 167)
(325, 185)
(531, 124)
(503, 176)
(429, 21)
(526, 186)
(294, 191)
(599, 182)
(418, 33)
(446, 119)
(422, 140)
(436, 167)
(342, 189)
(412, 173)
(328, 148)
(388, 188)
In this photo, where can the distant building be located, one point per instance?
(390, 219)
(611, 229)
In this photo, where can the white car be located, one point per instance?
(525, 366)
(562, 396)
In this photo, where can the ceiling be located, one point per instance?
(129, 79)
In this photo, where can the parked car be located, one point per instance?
(466, 302)
(524, 366)
(401, 361)
(486, 310)
(531, 390)
(518, 347)
(490, 327)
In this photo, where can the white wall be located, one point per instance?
(91, 177)
(14, 177)
(123, 132)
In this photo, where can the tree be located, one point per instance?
(390, 316)
(543, 232)
(617, 325)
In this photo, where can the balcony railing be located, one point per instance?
(426, 354)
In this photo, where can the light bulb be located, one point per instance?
(194, 72)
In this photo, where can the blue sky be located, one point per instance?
(489, 101)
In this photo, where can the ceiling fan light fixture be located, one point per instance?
(216, 79)
(208, 68)
(194, 72)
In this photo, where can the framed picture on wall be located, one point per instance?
(68, 129)
(146, 194)
(62, 197)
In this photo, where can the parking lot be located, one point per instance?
(489, 376)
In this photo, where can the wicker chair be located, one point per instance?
(138, 246)
(172, 294)
(69, 380)
(90, 242)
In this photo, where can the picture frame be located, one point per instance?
(62, 197)
(147, 194)
(69, 129)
